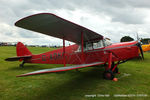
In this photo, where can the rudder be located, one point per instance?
(22, 50)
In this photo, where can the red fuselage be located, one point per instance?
(120, 52)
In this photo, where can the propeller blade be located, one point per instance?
(137, 36)
(141, 50)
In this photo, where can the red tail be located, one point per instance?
(22, 50)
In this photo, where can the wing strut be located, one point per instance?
(82, 47)
(64, 53)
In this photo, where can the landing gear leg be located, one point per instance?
(108, 73)
(22, 65)
(114, 68)
(111, 69)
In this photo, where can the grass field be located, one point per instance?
(134, 81)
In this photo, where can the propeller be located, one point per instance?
(141, 50)
(139, 45)
(137, 36)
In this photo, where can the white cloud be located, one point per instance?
(111, 18)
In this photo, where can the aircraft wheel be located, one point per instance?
(108, 75)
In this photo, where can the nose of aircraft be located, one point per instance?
(141, 50)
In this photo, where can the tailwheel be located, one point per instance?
(21, 65)
(108, 75)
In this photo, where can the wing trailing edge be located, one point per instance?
(60, 69)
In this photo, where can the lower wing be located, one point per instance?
(60, 69)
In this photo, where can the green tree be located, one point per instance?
(126, 38)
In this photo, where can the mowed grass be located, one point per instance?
(72, 85)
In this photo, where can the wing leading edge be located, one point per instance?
(60, 69)
(56, 26)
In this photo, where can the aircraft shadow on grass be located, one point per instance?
(81, 83)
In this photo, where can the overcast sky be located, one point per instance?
(110, 18)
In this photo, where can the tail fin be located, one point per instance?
(22, 50)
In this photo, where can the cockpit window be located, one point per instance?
(95, 45)
(98, 44)
(107, 42)
(91, 46)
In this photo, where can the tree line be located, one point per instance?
(128, 38)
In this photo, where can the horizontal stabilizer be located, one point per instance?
(17, 58)
(60, 69)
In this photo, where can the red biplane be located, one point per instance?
(90, 49)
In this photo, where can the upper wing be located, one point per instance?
(55, 26)
(60, 69)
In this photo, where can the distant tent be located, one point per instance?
(145, 41)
